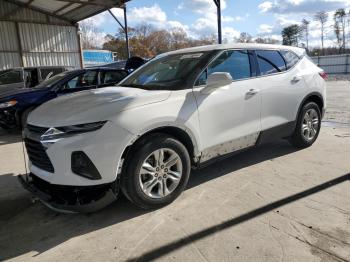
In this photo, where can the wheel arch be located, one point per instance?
(180, 133)
(312, 97)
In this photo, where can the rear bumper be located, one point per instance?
(70, 199)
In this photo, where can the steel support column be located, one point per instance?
(125, 28)
(218, 6)
(126, 32)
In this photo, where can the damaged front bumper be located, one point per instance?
(70, 199)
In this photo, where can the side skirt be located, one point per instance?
(266, 136)
(277, 132)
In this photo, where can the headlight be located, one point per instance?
(8, 104)
(55, 133)
(81, 128)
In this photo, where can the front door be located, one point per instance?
(229, 116)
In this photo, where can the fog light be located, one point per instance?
(83, 166)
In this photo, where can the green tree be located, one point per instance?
(244, 38)
(305, 28)
(340, 27)
(291, 34)
(322, 18)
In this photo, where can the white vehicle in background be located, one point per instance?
(180, 110)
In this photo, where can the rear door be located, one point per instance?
(281, 86)
(229, 116)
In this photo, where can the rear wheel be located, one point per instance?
(307, 127)
(157, 171)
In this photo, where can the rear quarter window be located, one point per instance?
(270, 62)
(50, 72)
(290, 58)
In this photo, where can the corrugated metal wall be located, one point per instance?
(334, 64)
(27, 38)
(9, 55)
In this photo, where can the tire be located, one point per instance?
(306, 131)
(143, 186)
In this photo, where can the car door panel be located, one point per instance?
(281, 93)
(229, 117)
(229, 121)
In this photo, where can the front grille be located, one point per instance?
(37, 129)
(37, 155)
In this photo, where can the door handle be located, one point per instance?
(251, 93)
(296, 79)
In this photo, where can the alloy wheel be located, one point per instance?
(160, 173)
(310, 124)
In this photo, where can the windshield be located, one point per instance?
(52, 80)
(170, 72)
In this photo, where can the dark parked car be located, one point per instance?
(22, 77)
(16, 104)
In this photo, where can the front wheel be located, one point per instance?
(156, 172)
(307, 127)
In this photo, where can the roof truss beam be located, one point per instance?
(25, 5)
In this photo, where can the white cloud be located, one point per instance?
(229, 34)
(301, 6)
(147, 14)
(152, 15)
(201, 6)
(205, 25)
(264, 28)
(265, 6)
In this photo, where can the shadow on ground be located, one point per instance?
(17, 235)
(10, 137)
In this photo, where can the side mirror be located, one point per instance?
(216, 80)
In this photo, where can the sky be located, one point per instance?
(264, 18)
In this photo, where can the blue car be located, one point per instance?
(15, 105)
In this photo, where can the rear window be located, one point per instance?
(290, 58)
(112, 77)
(270, 62)
(49, 72)
(10, 77)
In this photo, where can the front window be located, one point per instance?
(85, 80)
(234, 62)
(170, 72)
(52, 80)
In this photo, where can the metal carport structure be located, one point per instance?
(45, 32)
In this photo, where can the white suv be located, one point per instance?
(178, 111)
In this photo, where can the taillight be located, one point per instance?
(323, 75)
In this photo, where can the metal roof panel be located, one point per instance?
(71, 10)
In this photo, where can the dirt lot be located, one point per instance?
(272, 203)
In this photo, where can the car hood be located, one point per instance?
(93, 105)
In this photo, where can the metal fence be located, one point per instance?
(334, 64)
